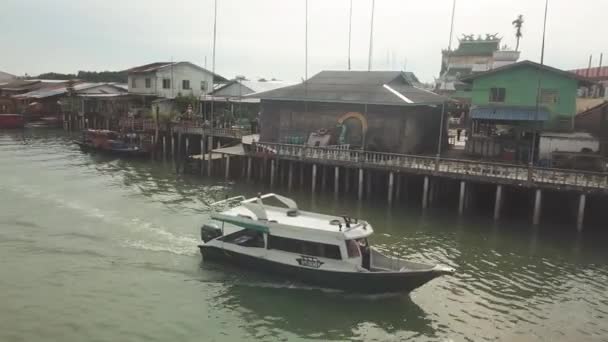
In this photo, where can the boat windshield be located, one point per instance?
(352, 247)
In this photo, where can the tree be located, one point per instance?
(518, 23)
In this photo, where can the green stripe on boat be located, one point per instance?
(237, 222)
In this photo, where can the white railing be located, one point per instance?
(495, 171)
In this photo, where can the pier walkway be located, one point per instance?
(510, 174)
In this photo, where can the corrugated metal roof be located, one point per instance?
(535, 65)
(149, 67)
(61, 89)
(258, 86)
(364, 87)
(592, 73)
(160, 65)
(509, 113)
(6, 77)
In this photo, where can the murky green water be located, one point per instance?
(100, 249)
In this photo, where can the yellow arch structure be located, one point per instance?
(355, 115)
(361, 118)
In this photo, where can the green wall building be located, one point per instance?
(505, 116)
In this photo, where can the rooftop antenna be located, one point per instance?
(306, 56)
(305, 41)
(350, 30)
(538, 89)
(441, 121)
(213, 56)
(452, 25)
(172, 83)
(371, 38)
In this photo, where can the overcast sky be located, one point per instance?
(265, 38)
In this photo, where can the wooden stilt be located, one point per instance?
(498, 202)
(425, 192)
(581, 212)
(391, 179)
(537, 207)
(461, 198)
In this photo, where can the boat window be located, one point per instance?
(245, 238)
(352, 247)
(317, 249)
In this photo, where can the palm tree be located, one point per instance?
(518, 24)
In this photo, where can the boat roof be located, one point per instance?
(292, 222)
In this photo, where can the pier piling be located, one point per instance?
(202, 155)
(425, 192)
(227, 171)
(336, 180)
(461, 198)
(210, 160)
(537, 207)
(173, 146)
(272, 172)
(498, 202)
(314, 177)
(581, 212)
(391, 177)
(360, 188)
(249, 168)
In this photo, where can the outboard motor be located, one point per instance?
(210, 232)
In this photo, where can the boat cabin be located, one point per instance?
(315, 238)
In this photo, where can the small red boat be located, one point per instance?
(11, 121)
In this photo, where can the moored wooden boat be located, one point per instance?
(323, 250)
(11, 121)
(110, 142)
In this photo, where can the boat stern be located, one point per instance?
(443, 270)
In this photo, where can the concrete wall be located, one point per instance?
(177, 74)
(566, 143)
(397, 129)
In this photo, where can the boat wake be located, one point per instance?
(144, 235)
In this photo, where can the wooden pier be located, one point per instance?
(274, 164)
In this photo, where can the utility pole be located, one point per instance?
(213, 60)
(443, 105)
(538, 89)
(371, 39)
(350, 30)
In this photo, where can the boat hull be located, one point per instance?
(358, 282)
(11, 121)
(117, 152)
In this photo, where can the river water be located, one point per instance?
(102, 249)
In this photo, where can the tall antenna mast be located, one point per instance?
(538, 89)
(350, 30)
(305, 41)
(306, 57)
(371, 38)
(441, 121)
(452, 26)
(542, 51)
(213, 57)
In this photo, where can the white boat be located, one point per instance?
(327, 251)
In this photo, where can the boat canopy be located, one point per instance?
(290, 222)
